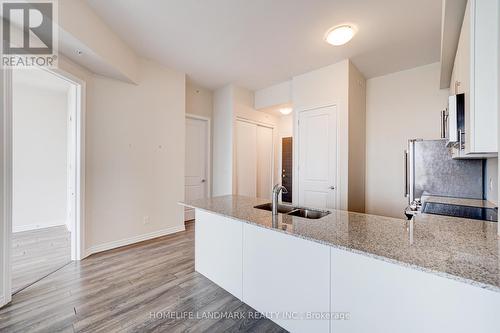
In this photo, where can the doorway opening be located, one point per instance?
(197, 163)
(287, 168)
(46, 170)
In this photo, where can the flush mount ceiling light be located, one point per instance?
(285, 111)
(340, 35)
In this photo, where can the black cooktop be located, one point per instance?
(468, 212)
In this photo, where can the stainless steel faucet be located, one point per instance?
(276, 192)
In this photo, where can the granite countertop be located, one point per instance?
(460, 249)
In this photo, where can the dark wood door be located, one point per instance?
(287, 167)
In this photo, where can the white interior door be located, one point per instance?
(318, 158)
(246, 158)
(264, 162)
(196, 162)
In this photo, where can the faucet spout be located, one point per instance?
(276, 192)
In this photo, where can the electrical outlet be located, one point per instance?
(146, 219)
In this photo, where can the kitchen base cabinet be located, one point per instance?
(385, 297)
(305, 286)
(218, 248)
(286, 277)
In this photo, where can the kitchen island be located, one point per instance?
(351, 272)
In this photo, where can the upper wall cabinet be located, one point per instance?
(475, 74)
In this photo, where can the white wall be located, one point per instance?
(244, 107)
(135, 155)
(285, 126)
(223, 141)
(357, 140)
(199, 100)
(323, 87)
(491, 180)
(277, 94)
(40, 170)
(399, 106)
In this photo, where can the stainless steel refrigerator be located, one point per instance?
(430, 170)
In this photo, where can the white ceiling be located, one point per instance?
(256, 43)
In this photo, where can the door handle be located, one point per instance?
(332, 187)
(444, 124)
(203, 180)
(407, 187)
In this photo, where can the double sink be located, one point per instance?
(295, 211)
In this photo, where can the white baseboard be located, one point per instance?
(29, 227)
(132, 240)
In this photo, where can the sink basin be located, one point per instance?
(309, 213)
(284, 209)
(294, 211)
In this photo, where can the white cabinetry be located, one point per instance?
(254, 159)
(286, 276)
(218, 248)
(385, 297)
(475, 74)
(302, 284)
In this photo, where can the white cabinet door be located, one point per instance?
(218, 250)
(246, 158)
(254, 159)
(286, 276)
(264, 162)
(196, 162)
(385, 297)
(475, 61)
(483, 61)
(317, 157)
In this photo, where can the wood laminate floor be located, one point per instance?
(146, 287)
(36, 253)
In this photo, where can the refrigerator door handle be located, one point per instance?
(443, 125)
(407, 185)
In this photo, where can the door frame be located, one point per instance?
(78, 237)
(273, 164)
(6, 182)
(280, 162)
(209, 151)
(296, 156)
(78, 204)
